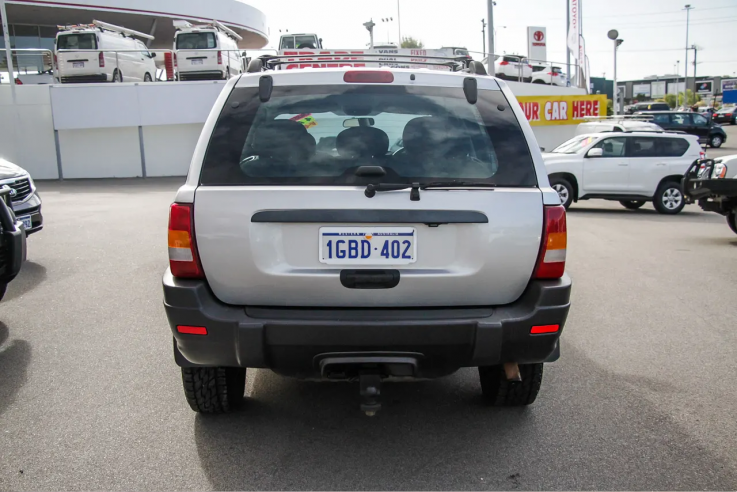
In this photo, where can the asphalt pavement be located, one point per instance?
(643, 396)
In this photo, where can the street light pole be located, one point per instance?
(613, 35)
(688, 9)
(399, 24)
(483, 34)
(490, 34)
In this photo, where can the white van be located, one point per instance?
(208, 52)
(102, 52)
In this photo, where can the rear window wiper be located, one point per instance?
(414, 195)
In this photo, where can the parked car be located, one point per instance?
(707, 111)
(25, 199)
(513, 67)
(646, 106)
(617, 124)
(725, 115)
(207, 52)
(12, 241)
(102, 52)
(371, 264)
(696, 124)
(632, 168)
(712, 183)
(547, 74)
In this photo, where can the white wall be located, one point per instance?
(98, 126)
(169, 148)
(27, 131)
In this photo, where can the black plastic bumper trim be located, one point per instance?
(288, 340)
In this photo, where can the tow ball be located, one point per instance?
(370, 384)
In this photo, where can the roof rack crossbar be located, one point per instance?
(343, 56)
(450, 65)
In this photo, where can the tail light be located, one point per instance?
(56, 60)
(702, 155)
(18, 81)
(368, 77)
(552, 261)
(220, 57)
(101, 58)
(554, 74)
(529, 66)
(175, 59)
(504, 63)
(183, 258)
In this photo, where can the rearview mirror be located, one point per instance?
(153, 55)
(355, 122)
(245, 55)
(595, 153)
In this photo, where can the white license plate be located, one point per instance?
(368, 245)
(198, 62)
(26, 221)
(77, 64)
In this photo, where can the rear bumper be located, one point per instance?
(202, 75)
(85, 79)
(292, 341)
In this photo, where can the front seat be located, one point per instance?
(362, 143)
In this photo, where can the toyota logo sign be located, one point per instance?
(538, 36)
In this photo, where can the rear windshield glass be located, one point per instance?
(320, 135)
(77, 42)
(196, 41)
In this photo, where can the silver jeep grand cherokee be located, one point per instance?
(302, 244)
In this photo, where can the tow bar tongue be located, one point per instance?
(370, 393)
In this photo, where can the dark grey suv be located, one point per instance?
(696, 124)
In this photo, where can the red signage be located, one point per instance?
(539, 36)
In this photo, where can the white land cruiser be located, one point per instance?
(300, 243)
(630, 167)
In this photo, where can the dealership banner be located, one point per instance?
(729, 85)
(561, 110)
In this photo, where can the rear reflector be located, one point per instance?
(192, 330)
(183, 259)
(368, 77)
(539, 330)
(552, 261)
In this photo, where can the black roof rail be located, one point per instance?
(454, 63)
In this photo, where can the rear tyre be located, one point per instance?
(669, 198)
(632, 204)
(214, 389)
(716, 141)
(3, 288)
(147, 77)
(499, 392)
(731, 220)
(564, 189)
(538, 81)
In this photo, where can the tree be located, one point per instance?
(671, 100)
(410, 42)
(691, 98)
(609, 108)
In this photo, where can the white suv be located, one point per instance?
(630, 167)
(365, 263)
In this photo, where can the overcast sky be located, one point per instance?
(654, 31)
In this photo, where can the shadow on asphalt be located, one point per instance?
(30, 276)
(14, 360)
(645, 214)
(599, 433)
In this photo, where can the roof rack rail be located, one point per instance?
(455, 63)
(122, 30)
(622, 117)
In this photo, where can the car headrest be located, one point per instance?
(283, 139)
(435, 135)
(362, 142)
(608, 147)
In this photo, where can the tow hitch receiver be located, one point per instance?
(370, 392)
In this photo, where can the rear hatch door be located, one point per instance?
(285, 216)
